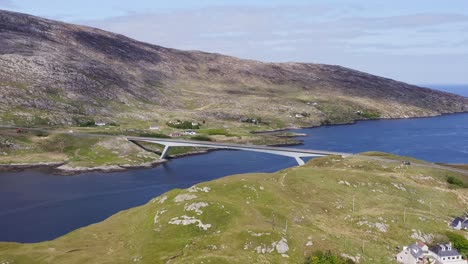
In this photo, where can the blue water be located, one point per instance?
(437, 139)
(36, 205)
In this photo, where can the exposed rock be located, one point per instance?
(195, 189)
(344, 183)
(196, 207)
(282, 246)
(356, 259)
(184, 197)
(399, 186)
(258, 234)
(158, 213)
(418, 235)
(66, 169)
(187, 220)
(162, 199)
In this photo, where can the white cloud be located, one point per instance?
(319, 33)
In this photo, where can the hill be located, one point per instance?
(58, 73)
(358, 207)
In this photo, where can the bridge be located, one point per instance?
(295, 153)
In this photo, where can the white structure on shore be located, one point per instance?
(445, 254)
(419, 253)
(416, 253)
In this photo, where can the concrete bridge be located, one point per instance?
(295, 153)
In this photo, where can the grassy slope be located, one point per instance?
(300, 204)
(76, 151)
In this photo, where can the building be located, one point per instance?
(460, 223)
(416, 253)
(175, 134)
(100, 123)
(445, 254)
(190, 133)
(154, 127)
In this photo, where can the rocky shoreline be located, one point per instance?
(62, 168)
(22, 166)
(68, 170)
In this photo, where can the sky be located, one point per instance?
(416, 41)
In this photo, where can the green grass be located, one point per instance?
(155, 135)
(370, 115)
(201, 138)
(456, 181)
(38, 146)
(459, 242)
(391, 156)
(215, 131)
(251, 211)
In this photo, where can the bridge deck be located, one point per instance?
(230, 145)
(292, 152)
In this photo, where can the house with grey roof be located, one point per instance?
(460, 223)
(446, 254)
(416, 253)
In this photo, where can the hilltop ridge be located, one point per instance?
(55, 73)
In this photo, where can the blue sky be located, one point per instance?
(417, 41)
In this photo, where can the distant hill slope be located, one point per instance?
(361, 208)
(53, 72)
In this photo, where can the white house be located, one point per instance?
(100, 123)
(154, 127)
(445, 254)
(190, 132)
(416, 253)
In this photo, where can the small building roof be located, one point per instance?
(415, 250)
(456, 221)
(460, 221)
(445, 250)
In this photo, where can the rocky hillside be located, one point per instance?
(282, 217)
(53, 72)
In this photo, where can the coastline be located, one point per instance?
(354, 122)
(24, 166)
(61, 168)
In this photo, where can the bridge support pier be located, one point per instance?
(300, 162)
(164, 153)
